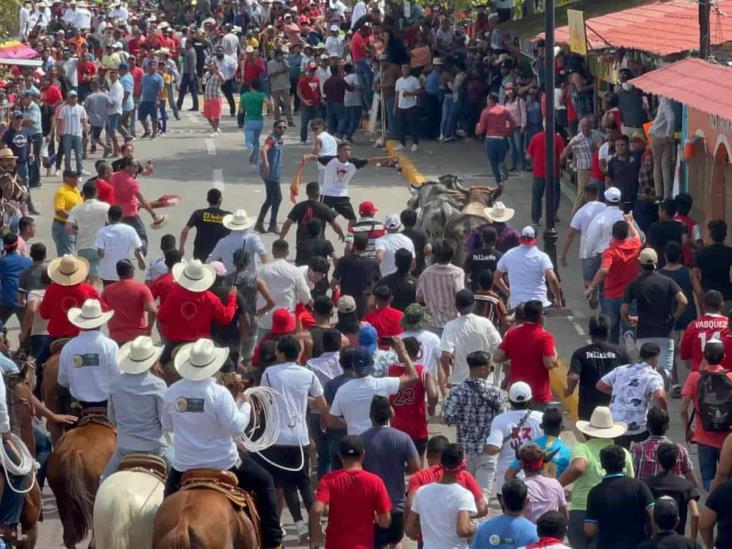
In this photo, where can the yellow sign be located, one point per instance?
(577, 33)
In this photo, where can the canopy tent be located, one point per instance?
(16, 50)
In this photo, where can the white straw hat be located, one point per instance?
(90, 316)
(238, 221)
(68, 270)
(499, 212)
(194, 275)
(138, 356)
(200, 360)
(602, 425)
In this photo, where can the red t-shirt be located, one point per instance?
(126, 188)
(686, 249)
(621, 258)
(537, 150)
(310, 89)
(161, 286)
(137, 74)
(434, 474)
(187, 316)
(133, 45)
(252, 70)
(595, 167)
(409, 409)
(359, 44)
(58, 300)
(128, 299)
(386, 321)
(696, 335)
(86, 71)
(105, 192)
(526, 346)
(354, 497)
(714, 439)
(51, 95)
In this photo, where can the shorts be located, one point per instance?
(421, 445)
(391, 535)
(96, 131)
(147, 108)
(91, 255)
(212, 108)
(113, 122)
(341, 205)
(287, 456)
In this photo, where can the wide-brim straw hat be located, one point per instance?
(7, 153)
(602, 425)
(499, 212)
(138, 356)
(200, 360)
(194, 275)
(477, 209)
(89, 316)
(238, 221)
(68, 270)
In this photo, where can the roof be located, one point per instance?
(661, 28)
(694, 82)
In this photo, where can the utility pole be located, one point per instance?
(705, 8)
(550, 233)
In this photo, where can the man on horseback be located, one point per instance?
(88, 363)
(13, 196)
(135, 402)
(205, 418)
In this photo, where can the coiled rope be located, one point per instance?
(27, 464)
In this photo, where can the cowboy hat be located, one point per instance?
(138, 356)
(475, 208)
(7, 153)
(238, 221)
(194, 275)
(200, 360)
(602, 425)
(68, 270)
(499, 212)
(90, 316)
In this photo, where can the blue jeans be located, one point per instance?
(392, 128)
(307, 113)
(537, 193)
(445, 118)
(408, 120)
(708, 459)
(35, 166)
(252, 131)
(136, 223)
(336, 118)
(456, 110)
(273, 199)
(366, 78)
(187, 85)
(43, 450)
(496, 150)
(72, 142)
(321, 443)
(516, 142)
(11, 504)
(611, 307)
(171, 99)
(65, 243)
(353, 119)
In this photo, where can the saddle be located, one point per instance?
(144, 463)
(225, 483)
(96, 415)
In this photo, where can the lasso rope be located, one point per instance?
(27, 464)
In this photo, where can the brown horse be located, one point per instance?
(51, 391)
(74, 468)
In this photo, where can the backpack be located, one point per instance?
(714, 398)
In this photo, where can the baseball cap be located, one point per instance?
(323, 56)
(72, 93)
(363, 361)
(367, 338)
(520, 392)
(463, 299)
(123, 66)
(351, 446)
(334, 27)
(249, 49)
(528, 235)
(17, 115)
(312, 66)
(366, 208)
(648, 256)
(612, 195)
(392, 221)
(346, 304)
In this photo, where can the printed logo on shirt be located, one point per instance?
(20, 140)
(188, 310)
(194, 405)
(209, 217)
(85, 360)
(68, 302)
(495, 539)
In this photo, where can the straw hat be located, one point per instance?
(602, 425)
(475, 208)
(194, 275)
(199, 360)
(7, 153)
(238, 221)
(68, 270)
(499, 213)
(138, 356)
(90, 316)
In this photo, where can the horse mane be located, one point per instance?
(80, 500)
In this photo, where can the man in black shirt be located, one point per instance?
(713, 264)
(717, 514)
(207, 223)
(422, 246)
(312, 208)
(666, 517)
(666, 229)
(402, 284)
(484, 257)
(313, 244)
(356, 274)
(590, 363)
(620, 507)
(622, 172)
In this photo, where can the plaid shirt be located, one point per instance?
(471, 406)
(645, 463)
(646, 185)
(211, 86)
(581, 146)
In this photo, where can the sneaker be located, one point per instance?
(303, 142)
(302, 531)
(676, 392)
(260, 228)
(84, 172)
(144, 135)
(290, 124)
(273, 229)
(215, 134)
(399, 147)
(415, 148)
(56, 172)
(448, 139)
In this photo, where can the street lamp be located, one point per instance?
(550, 233)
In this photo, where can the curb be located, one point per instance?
(408, 170)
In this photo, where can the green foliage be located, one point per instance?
(9, 19)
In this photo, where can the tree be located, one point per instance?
(9, 19)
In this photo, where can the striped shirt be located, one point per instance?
(581, 146)
(372, 228)
(73, 117)
(437, 287)
(211, 86)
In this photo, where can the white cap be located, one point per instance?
(520, 392)
(612, 194)
(335, 27)
(249, 49)
(528, 232)
(392, 221)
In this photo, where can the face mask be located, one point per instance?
(627, 86)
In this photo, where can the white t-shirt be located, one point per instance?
(504, 426)
(337, 175)
(328, 147)
(429, 352)
(438, 506)
(389, 244)
(295, 384)
(352, 98)
(526, 267)
(408, 84)
(600, 230)
(581, 222)
(334, 46)
(352, 401)
(464, 335)
(88, 217)
(118, 241)
(116, 94)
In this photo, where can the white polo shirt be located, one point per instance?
(526, 267)
(88, 366)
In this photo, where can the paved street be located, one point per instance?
(188, 162)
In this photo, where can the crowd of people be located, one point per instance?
(368, 340)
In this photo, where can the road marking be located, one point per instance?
(192, 117)
(210, 147)
(218, 179)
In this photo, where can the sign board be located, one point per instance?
(577, 32)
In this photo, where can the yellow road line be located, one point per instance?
(409, 170)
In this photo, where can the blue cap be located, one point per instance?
(123, 66)
(363, 361)
(367, 338)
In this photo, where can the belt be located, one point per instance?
(59, 221)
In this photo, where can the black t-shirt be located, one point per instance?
(669, 540)
(720, 501)
(654, 294)
(403, 289)
(18, 142)
(419, 239)
(304, 211)
(478, 260)
(715, 262)
(209, 230)
(310, 247)
(357, 275)
(662, 232)
(670, 484)
(624, 176)
(618, 505)
(591, 362)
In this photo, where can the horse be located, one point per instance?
(74, 468)
(126, 504)
(51, 392)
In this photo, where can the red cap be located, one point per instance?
(312, 66)
(283, 322)
(366, 208)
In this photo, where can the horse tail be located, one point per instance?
(80, 499)
(182, 536)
